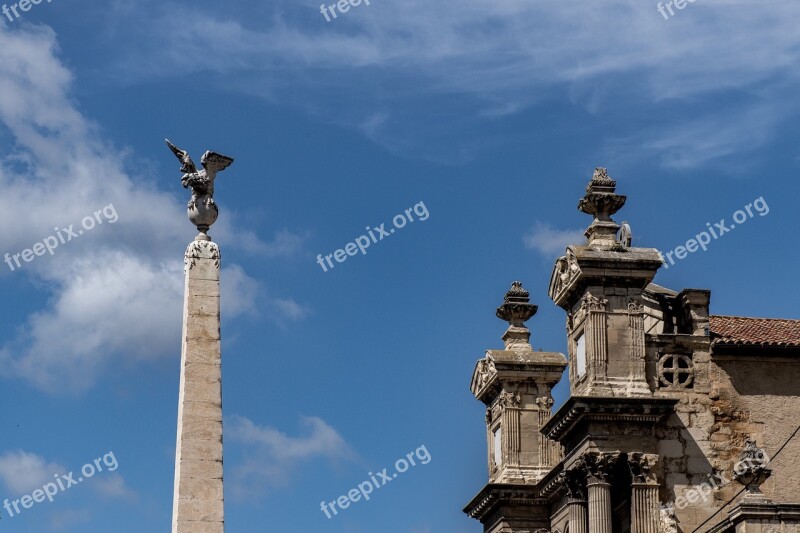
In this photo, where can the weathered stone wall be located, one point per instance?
(733, 398)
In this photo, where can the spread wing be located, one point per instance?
(214, 162)
(182, 155)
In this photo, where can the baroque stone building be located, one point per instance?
(677, 421)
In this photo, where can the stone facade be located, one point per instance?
(675, 416)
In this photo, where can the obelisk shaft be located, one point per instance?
(198, 498)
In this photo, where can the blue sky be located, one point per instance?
(492, 114)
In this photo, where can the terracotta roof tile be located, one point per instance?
(754, 331)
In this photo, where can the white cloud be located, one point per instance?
(115, 291)
(617, 57)
(551, 242)
(69, 518)
(22, 471)
(112, 485)
(271, 456)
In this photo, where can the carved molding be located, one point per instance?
(201, 250)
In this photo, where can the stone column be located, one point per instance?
(596, 342)
(644, 508)
(576, 499)
(198, 498)
(510, 403)
(547, 449)
(599, 489)
(644, 493)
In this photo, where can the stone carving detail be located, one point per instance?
(575, 482)
(202, 209)
(601, 201)
(676, 371)
(545, 403)
(516, 310)
(642, 467)
(599, 466)
(752, 470)
(508, 399)
(201, 250)
(625, 236)
(592, 303)
(635, 307)
(565, 271)
(483, 373)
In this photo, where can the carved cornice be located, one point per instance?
(495, 494)
(579, 409)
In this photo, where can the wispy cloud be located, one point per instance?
(496, 59)
(114, 294)
(271, 456)
(549, 241)
(23, 471)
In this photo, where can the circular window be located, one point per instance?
(676, 370)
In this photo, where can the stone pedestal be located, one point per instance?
(600, 506)
(644, 508)
(198, 497)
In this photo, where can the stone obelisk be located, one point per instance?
(197, 505)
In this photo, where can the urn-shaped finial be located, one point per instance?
(516, 310)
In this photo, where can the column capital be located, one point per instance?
(599, 466)
(575, 482)
(642, 467)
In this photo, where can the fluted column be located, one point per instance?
(600, 506)
(644, 508)
(512, 441)
(576, 499)
(547, 451)
(596, 339)
(599, 490)
(577, 516)
(644, 493)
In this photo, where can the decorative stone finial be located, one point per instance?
(601, 201)
(202, 209)
(516, 310)
(751, 471)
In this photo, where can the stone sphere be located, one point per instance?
(204, 212)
